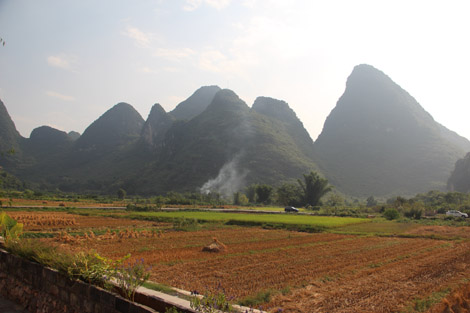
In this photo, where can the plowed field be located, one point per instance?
(44, 221)
(315, 272)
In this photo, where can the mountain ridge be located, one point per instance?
(378, 140)
(380, 136)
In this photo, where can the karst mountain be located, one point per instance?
(377, 141)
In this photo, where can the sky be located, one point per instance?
(66, 62)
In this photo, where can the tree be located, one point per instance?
(371, 202)
(263, 193)
(335, 200)
(240, 199)
(251, 193)
(289, 194)
(121, 193)
(391, 214)
(313, 187)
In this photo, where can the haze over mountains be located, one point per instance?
(377, 141)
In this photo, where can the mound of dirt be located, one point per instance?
(215, 246)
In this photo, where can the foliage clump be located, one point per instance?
(211, 302)
(9, 228)
(391, 214)
(86, 266)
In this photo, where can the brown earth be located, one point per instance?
(316, 272)
(47, 221)
(457, 302)
(441, 231)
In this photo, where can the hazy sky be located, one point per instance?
(66, 62)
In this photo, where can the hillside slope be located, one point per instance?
(379, 141)
(459, 180)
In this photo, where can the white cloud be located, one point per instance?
(146, 69)
(63, 61)
(176, 55)
(172, 69)
(60, 96)
(192, 5)
(141, 38)
(218, 4)
(213, 61)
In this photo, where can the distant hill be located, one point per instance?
(9, 182)
(228, 146)
(74, 135)
(195, 104)
(211, 142)
(118, 126)
(459, 180)
(104, 154)
(9, 136)
(155, 128)
(379, 141)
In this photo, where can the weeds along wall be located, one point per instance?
(41, 289)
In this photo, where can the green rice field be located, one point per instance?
(289, 219)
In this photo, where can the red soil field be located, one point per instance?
(316, 272)
(46, 221)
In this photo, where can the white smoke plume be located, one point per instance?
(229, 180)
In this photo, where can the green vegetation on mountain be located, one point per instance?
(119, 126)
(10, 139)
(155, 128)
(9, 182)
(9, 136)
(46, 140)
(459, 180)
(378, 140)
(195, 104)
(228, 146)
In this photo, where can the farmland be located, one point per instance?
(350, 267)
(315, 221)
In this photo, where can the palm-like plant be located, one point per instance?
(314, 187)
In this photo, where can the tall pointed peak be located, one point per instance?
(156, 126)
(227, 99)
(116, 126)
(277, 109)
(195, 104)
(379, 140)
(9, 136)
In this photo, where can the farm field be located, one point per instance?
(59, 203)
(292, 219)
(49, 221)
(303, 272)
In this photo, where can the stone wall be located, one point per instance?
(41, 289)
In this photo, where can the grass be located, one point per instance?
(423, 305)
(267, 208)
(260, 298)
(251, 219)
(160, 287)
(377, 227)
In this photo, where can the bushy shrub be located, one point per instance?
(414, 212)
(130, 277)
(86, 266)
(211, 303)
(9, 228)
(391, 214)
